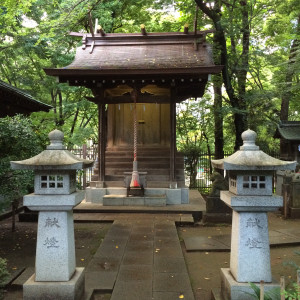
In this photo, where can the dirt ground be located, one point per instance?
(204, 267)
(18, 247)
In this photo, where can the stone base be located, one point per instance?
(295, 212)
(233, 290)
(135, 191)
(117, 200)
(97, 184)
(66, 290)
(217, 218)
(216, 205)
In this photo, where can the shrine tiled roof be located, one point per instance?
(289, 130)
(172, 53)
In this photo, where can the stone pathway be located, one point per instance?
(278, 237)
(140, 259)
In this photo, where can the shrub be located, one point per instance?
(17, 142)
(4, 275)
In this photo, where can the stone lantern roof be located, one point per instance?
(249, 157)
(55, 157)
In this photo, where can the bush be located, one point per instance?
(17, 142)
(4, 275)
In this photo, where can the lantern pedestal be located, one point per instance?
(234, 290)
(250, 247)
(67, 290)
(55, 250)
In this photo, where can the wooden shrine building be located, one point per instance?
(155, 70)
(289, 134)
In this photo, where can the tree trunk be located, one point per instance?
(60, 109)
(287, 94)
(218, 117)
(53, 103)
(238, 105)
(74, 121)
(14, 207)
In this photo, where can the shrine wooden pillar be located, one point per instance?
(173, 137)
(101, 141)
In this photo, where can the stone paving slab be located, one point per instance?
(222, 242)
(134, 258)
(19, 281)
(171, 282)
(169, 264)
(100, 281)
(172, 295)
(202, 243)
(166, 242)
(291, 231)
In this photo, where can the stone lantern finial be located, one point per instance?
(249, 136)
(56, 140)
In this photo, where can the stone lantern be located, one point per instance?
(55, 195)
(250, 196)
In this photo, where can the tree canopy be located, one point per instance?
(256, 41)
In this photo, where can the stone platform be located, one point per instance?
(174, 196)
(196, 206)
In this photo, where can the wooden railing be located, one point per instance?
(90, 153)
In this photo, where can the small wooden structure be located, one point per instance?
(15, 101)
(289, 134)
(158, 69)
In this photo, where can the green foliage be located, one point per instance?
(194, 133)
(17, 142)
(4, 275)
(292, 291)
(34, 35)
(273, 294)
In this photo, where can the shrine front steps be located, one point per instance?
(154, 160)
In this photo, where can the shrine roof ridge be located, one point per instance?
(148, 36)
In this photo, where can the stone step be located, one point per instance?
(118, 171)
(142, 159)
(150, 184)
(119, 200)
(142, 154)
(164, 184)
(149, 177)
(141, 165)
(114, 183)
(139, 148)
